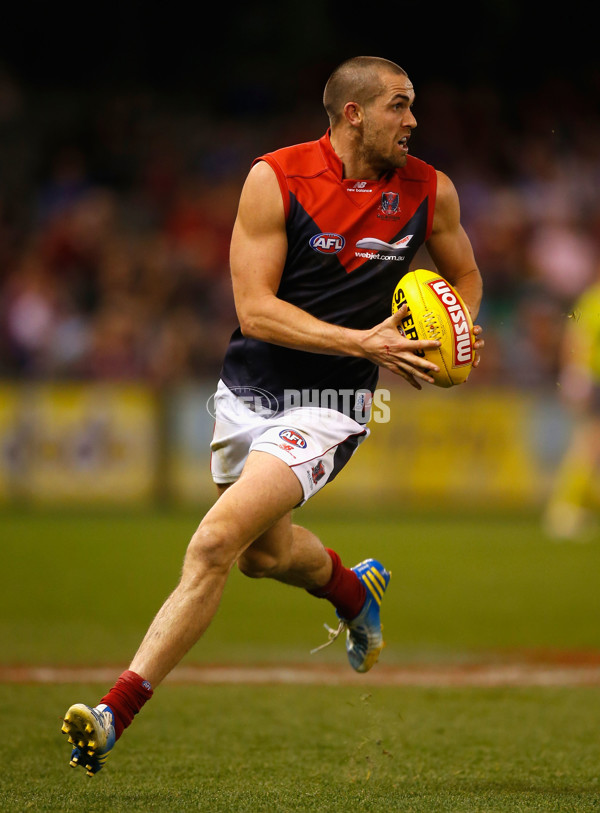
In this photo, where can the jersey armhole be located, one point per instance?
(281, 180)
(431, 201)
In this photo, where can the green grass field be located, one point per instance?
(314, 749)
(80, 589)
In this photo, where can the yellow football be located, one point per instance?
(436, 311)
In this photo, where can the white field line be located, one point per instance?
(484, 675)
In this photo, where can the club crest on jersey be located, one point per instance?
(293, 437)
(327, 242)
(318, 472)
(390, 206)
(390, 201)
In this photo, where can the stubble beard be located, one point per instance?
(372, 156)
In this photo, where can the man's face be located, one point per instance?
(388, 123)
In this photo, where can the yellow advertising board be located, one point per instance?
(461, 445)
(189, 429)
(77, 443)
(125, 444)
(11, 447)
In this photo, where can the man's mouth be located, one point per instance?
(404, 143)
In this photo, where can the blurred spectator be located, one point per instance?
(29, 312)
(562, 257)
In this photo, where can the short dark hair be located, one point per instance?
(357, 79)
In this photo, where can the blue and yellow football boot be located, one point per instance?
(364, 639)
(91, 731)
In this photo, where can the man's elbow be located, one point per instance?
(251, 324)
(257, 315)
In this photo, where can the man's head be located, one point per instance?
(368, 101)
(358, 79)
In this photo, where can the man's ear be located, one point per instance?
(353, 113)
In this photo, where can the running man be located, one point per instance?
(293, 401)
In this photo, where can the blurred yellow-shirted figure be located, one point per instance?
(570, 511)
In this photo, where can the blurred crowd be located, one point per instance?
(116, 212)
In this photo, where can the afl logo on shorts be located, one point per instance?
(293, 437)
(327, 243)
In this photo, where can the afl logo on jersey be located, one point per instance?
(293, 437)
(327, 242)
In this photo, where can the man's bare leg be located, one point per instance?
(249, 524)
(265, 493)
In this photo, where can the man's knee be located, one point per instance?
(212, 547)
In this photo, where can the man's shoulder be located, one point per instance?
(303, 159)
(416, 169)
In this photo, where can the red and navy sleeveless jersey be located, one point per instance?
(349, 242)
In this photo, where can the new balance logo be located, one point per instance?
(359, 186)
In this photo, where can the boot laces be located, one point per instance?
(333, 634)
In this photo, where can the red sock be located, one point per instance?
(126, 698)
(344, 589)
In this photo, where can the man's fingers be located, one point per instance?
(410, 378)
(400, 314)
(478, 344)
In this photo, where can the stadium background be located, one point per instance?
(125, 133)
(125, 136)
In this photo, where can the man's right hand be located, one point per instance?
(387, 347)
